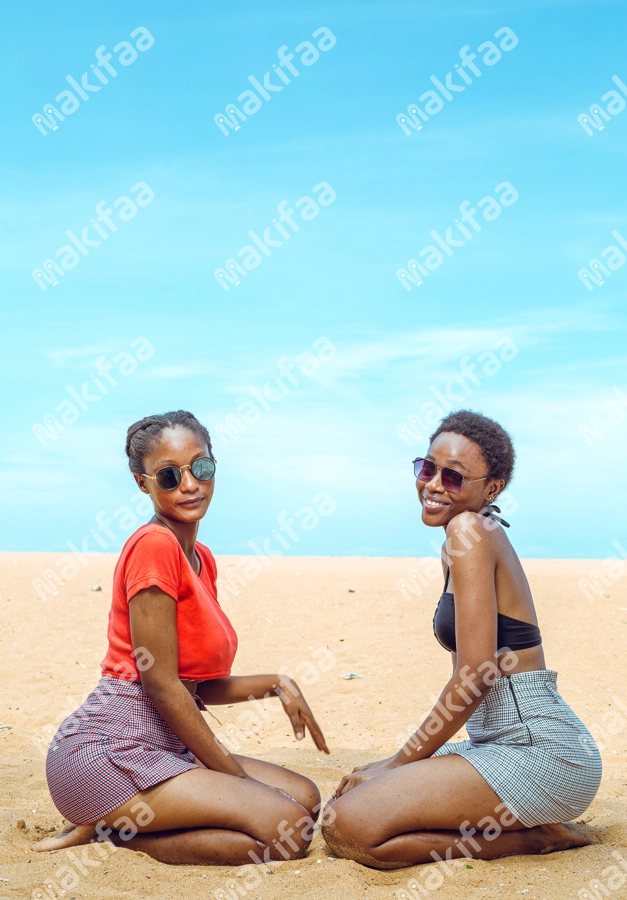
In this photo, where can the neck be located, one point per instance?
(184, 532)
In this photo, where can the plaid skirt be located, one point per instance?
(532, 750)
(115, 745)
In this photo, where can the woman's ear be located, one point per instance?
(494, 489)
(141, 483)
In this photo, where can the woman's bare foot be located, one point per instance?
(561, 836)
(69, 836)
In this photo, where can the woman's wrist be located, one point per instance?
(399, 759)
(229, 766)
(284, 687)
(271, 685)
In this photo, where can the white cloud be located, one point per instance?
(182, 370)
(65, 356)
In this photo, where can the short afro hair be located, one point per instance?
(495, 443)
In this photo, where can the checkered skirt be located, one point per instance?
(115, 745)
(532, 750)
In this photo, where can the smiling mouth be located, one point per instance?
(434, 504)
(191, 502)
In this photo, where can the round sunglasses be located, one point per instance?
(169, 477)
(452, 480)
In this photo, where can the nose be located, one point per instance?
(188, 482)
(435, 484)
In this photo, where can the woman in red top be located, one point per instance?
(137, 763)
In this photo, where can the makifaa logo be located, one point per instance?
(249, 99)
(595, 117)
(128, 55)
(415, 271)
(613, 258)
(232, 273)
(70, 411)
(433, 102)
(126, 209)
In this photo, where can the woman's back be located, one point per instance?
(514, 599)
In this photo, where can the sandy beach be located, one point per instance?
(300, 615)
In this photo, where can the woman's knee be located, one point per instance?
(344, 830)
(308, 795)
(338, 825)
(291, 833)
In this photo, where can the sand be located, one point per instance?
(300, 614)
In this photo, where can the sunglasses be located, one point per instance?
(452, 480)
(169, 477)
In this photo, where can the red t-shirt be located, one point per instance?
(207, 640)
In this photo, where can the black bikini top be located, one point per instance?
(511, 633)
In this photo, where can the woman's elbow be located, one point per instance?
(478, 678)
(156, 686)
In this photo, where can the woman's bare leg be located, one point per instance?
(399, 818)
(300, 788)
(201, 847)
(204, 817)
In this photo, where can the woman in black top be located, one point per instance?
(530, 765)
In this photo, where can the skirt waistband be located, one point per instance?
(124, 687)
(523, 685)
(536, 676)
(113, 708)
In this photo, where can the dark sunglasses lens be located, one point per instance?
(424, 469)
(204, 468)
(168, 478)
(452, 480)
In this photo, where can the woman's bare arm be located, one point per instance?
(153, 626)
(237, 688)
(475, 662)
(476, 625)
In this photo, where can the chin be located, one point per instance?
(188, 515)
(432, 524)
(438, 520)
(195, 515)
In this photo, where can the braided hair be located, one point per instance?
(495, 443)
(142, 436)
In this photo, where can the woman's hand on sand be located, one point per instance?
(364, 773)
(71, 835)
(299, 714)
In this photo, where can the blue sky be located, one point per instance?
(335, 433)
